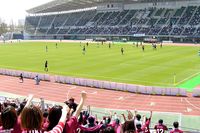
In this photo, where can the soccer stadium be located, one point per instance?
(103, 66)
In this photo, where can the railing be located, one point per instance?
(121, 86)
(139, 89)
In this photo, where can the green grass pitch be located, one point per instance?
(152, 67)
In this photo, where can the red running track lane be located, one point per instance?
(100, 97)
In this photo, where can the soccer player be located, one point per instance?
(122, 51)
(84, 50)
(87, 44)
(133, 43)
(143, 48)
(155, 47)
(109, 45)
(137, 44)
(160, 127)
(176, 130)
(161, 45)
(56, 45)
(46, 48)
(46, 66)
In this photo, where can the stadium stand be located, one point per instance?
(153, 20)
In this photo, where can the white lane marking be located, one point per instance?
(74, 87)
(93, 93)
(152, 104)
(189, 109)
(191, 104)
(121, 98)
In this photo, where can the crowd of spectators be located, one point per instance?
(166, 30)
(187, 15)
(177, 31)
(128, 17)
(152, 21)
(189, 31)
(26, 117)
(196, 18)
(46, 21)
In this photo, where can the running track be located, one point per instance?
(100, 97)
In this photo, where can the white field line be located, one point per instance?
(191, 104)
(68, 92)
(141, 111)
(122, 79)
(187, 78)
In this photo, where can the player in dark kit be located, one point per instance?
(46, 48)
(87, 44)
(122, 51)
(155, 47)
(84, 50)
(143, 48)
(109, 45)
(137, 44)
(46, 66)
(56, 45)
(133, 44)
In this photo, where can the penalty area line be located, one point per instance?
(122, 79)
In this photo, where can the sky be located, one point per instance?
(16, 9)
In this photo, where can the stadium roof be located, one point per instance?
(67, 5)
